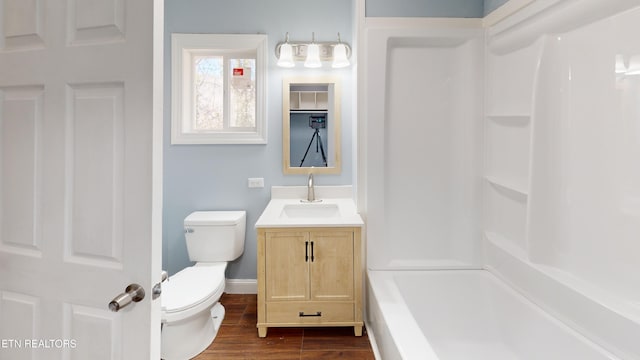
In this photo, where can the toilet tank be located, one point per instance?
(214, 236)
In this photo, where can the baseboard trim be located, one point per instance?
(241, 286)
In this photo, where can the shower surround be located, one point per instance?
(507, 154)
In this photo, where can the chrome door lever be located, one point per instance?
(157, 288)
(133, 293)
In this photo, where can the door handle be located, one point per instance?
(157, 288)
(312, 256)
(306, 251)
(133, 293)
(302, 314)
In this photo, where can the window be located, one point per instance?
(218, 89)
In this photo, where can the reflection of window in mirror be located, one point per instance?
(311, 122)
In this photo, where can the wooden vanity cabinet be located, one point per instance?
(309, 277)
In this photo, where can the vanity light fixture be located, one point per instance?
(313, 53)
(286, 55)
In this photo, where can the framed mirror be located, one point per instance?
(311, 125)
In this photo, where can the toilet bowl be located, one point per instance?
(187, 301)
(191, 313)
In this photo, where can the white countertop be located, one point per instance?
(336, 208)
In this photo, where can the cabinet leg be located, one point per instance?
(262, 331)
(357, 330)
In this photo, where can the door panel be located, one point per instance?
(76, 189)
(95, 163)
(95, 21)
(23, 24)
(332, 269)
(94, 330)
(21, 176)
(20, 311)
(287, 269)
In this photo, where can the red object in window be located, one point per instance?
(238, 72)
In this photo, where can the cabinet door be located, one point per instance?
(331, 270)
(286, 265)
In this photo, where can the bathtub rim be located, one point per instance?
(416, 341)
(411, 340)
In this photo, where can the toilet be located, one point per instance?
(191, 313)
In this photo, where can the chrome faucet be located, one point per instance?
(311, 193)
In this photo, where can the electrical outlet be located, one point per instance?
(256, 182)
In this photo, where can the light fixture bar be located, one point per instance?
(299, 50)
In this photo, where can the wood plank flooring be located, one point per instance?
(238, 338)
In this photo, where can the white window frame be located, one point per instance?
(183, 48)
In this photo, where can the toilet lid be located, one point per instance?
(191, 286)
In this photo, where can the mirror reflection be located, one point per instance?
(311, 123)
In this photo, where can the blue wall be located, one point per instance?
(431, 8)
(490, 5)
(214, 177)
(425, 8)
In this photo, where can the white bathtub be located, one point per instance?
(465, 315)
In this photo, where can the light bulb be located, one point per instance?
(286, 56)
(313, 56)
(340, 56)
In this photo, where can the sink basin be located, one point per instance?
(287, 209)
(310, 210)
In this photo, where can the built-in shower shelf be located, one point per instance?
(512, 186)
(510, 119)
(506, 213)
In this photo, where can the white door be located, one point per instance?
(77, 201)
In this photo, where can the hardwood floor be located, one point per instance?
(238, 338)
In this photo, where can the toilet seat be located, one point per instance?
(201, 284)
